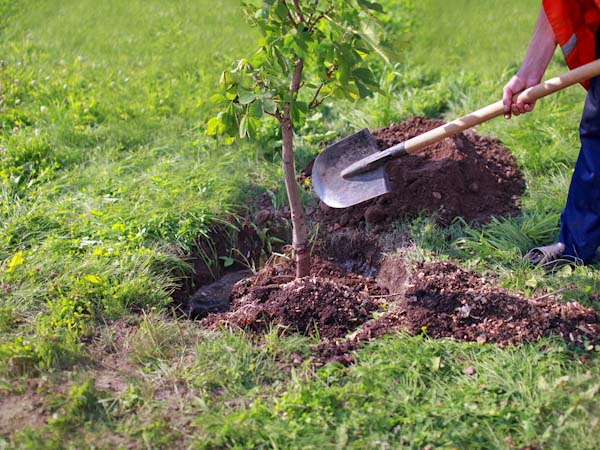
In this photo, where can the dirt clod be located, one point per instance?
(374, 214)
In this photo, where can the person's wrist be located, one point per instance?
(529, 77)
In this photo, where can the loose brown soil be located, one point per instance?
(310, 306)
(436, 298)
(443, 300)
(329, 303)
(466, 176)
(18, 411)
(109, 355)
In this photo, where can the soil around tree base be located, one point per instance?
(329, 303)
(467, 176)
(438, 299)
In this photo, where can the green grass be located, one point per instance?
(108, 181)
(107, 178)
(473, 36)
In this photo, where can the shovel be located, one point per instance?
(352, 170)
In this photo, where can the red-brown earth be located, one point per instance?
(439, 299)
(329, 303)
(468, 176)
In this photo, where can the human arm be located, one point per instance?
(538, 56)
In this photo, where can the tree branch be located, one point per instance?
(314, 103)
(312, 24)
(276, 114)
(298, 11)
(289, 14)
(296, 77)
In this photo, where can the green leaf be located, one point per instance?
(300, 44)
(223, 80)
(217, 98)
(363, 90)
(294, 113)
(532, 282)
(298, 111)
(215, 126)
(363, 74)
(262, 13)
(283, 63)
(227, 261)
(281, 11)
(228, 119)
(251, 126)
(243, 128)
(256, 109)
(369, 34)
(373, 6)
(246, 97)
(269, 106)
(302, 106)
(344, 72)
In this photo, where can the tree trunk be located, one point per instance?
(299, 234)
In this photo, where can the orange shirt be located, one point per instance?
(574, 23)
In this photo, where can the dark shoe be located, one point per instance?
(550, 257)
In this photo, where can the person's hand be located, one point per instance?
(516, 85)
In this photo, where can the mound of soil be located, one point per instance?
(439, 299)
(436, 298)
(466, 176)
(443, 300)
(329, 303)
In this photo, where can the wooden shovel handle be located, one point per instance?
(486, 113)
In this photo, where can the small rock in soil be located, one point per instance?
(469, 371)
(214, 298)
(374, 214)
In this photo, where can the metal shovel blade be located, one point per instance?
(339, 192)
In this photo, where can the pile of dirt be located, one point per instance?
(443, 300)
(466, 176)
(439, 299)
(329, 303)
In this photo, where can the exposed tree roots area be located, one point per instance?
(468, 176)
(438, 299)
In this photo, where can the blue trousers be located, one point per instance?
(580, 220)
